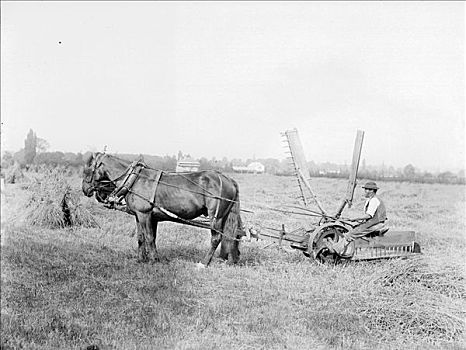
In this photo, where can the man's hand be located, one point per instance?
(351, 219)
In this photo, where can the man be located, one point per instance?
(373, 219)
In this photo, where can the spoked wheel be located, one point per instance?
(321, 245)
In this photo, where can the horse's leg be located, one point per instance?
(153, 241)
(149, 228)
(142, 253)
(214, 242)
(233, 252)
(229, 250)
(223, 250)
(232, 231)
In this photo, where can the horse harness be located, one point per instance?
(116, 199)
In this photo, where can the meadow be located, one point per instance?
(71, 288)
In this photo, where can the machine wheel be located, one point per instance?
(327, 236)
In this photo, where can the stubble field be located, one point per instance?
(72, 288)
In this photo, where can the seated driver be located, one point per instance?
(373, 219)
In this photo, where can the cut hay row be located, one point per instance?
(391, 302)
(72, 288)
(416, 302)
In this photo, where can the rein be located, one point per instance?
(130, 176)
(144, 165)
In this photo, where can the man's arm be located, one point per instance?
(365, 217)
(370, 210)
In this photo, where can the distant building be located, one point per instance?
(253, 168)
(256, 167)
(187, 165)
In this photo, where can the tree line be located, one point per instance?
(35, 154)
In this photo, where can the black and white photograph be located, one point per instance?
(244, 175)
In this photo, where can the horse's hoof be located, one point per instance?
(200, 265)
(231, 262)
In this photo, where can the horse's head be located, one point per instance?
(96, 177)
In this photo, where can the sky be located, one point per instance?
(225, 79)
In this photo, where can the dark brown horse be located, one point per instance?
(153, 195)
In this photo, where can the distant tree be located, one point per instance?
(7, 159)
(238, 162)
(313, 167)
(169, 163)
(427, 177)
(42, 145)
(409, 171)
(205, 164)
(30, 146)
(79, 159)
(19, 157)
(272, 166)
(50, 158)
(69, 158)
(229, 167)
(391, 171)
(447, 177)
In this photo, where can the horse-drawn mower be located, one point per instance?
(210, 200)
(316, 242)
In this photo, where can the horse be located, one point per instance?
(153, 196)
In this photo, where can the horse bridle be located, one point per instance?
(117, 192)
(97, 163)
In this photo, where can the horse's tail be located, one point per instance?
(233, 225)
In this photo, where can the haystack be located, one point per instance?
(54, 204)
(14, 174)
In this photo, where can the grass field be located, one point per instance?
(72, 288)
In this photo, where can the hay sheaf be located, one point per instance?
(14, 174)
(54, 204)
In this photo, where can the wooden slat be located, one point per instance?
(354, 166)
(300, 165)
(348, 199)
(297, 151)
(298, 159)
